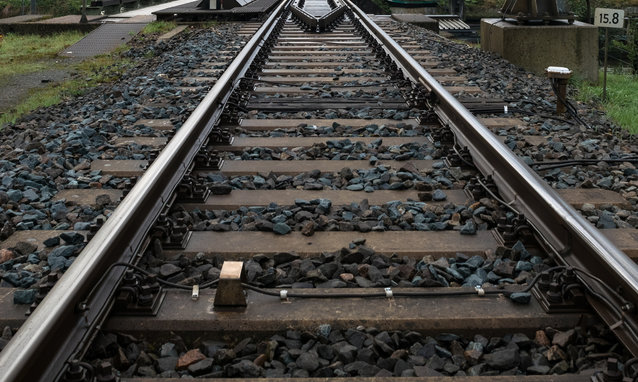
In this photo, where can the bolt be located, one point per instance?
(74, 372)
(105, 373)
(554, 294)
(611, 373)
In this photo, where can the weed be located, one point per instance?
(621, 104)
(27, 53)
(158, 27)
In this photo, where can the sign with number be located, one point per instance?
(609, 18)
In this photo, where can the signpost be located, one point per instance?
(608, 18)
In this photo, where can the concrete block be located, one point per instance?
(535, 47)
(418, 20)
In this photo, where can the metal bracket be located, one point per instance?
(193, 189)
(560, 293)
(517, 230)
(208, 159)
(135, 298)
(171, 232)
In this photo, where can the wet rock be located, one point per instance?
(166, 364)
(563, 338)
(24, 297)
(281, 228)
(6, 255)
(521, 297)
(189, 358)
(202, 367)
(503, 359)
(308, 361)
(243, 369)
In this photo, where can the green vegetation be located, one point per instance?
(90, 73)
(621, 105)
(383, 6)
(27, 53)
(49, 7)
(159, 27)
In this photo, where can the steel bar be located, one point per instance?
(578, 243)
(56, 331)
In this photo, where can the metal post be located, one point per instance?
(605, 65)
(83, 19)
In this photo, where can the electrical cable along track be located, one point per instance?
(330, 210)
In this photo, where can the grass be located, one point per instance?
(90, 73)
(20, 54)
(159, 27)
(622, 98)
(50, 7)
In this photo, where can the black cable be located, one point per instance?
(419, 293)
(493, 195)
(568, 106)
(568, 162)
(546, 116)
(146, 273)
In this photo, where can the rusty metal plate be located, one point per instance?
(241, 143)
(124, 168)
(267, 314)
(241, 167)
(237, 245)
(271, 124)
(86, 197)
(238, 198)
(157, 124)
(141, 141)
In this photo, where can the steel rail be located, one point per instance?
(326, 20)
(576, 241)
(59, 328)
(306, 18)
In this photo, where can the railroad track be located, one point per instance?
(381, 230)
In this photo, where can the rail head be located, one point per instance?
(576, 242)
(59, 327)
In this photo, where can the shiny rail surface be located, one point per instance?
(573, 239)
(60, 326)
